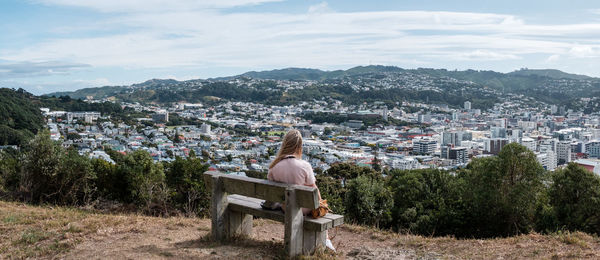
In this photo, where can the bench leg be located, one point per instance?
(293, 224)
(240, 224)
(313, 240)
(218, 210)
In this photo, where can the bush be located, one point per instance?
(186, 184)
(575, 199)
(10, 172)
(502, 192)
(427, 202)
(332, 191)
(51, 174)
(76, 181)
(110, 183)
(368, 201)
(145, 181)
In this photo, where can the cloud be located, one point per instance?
(486, 55)
(319, 8)
(125, 6)
(584, 51)
(553, 58)
(200, 34)
(10, 69)
(98, 82)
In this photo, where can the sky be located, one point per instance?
(63, 45)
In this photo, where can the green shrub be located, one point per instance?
(368, 201)
(10, 172)
(502, 192)
(575, 199)
(331, 190)
(186, 184)
(427, 202)
(51, 174)
(145, 181)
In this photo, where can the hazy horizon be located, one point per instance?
(64, 45)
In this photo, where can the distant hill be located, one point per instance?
(315, 74)
(287, 74)
(105, 91)
(550, 73)
(388, 84)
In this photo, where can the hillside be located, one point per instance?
(55, 232)
(550, 73)
(20, 119)
(386, 84)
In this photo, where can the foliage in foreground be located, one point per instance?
(505, 195)
(45, 172)
(495, 196)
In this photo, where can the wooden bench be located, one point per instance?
(236, 199)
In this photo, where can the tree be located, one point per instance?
(51, 174)
(502, 192)
(73, 136)
(427, 202)
(41, 167)
(368, 201)
(347, 171)
(109, 180)
(575, 198)
(145, 180)
(376, 164)
(10, 171)
(185, 179)
(331, 190)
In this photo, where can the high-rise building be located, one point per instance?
(494, 145)
(161, 116)
(498, 132)
(205, 128)
(553, 109)
(424, 118)
(529, 143)
(547, 160)
(453, 138)
(467, 105)
(458, 155)
(424, 146)
(563, 152)
(592, 149)
(385, 113)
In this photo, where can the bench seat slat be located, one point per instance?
(254, 209)
(252, 206)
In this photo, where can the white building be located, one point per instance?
(547, 160)
(424, 146)
(405, 164)
(529, 143)
(563, 152)
(468, 105)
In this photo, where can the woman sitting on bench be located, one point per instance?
(288, 167)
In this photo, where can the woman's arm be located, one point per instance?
(315, 186)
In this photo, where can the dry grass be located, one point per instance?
(54, 232)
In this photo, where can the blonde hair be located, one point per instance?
(291, 145)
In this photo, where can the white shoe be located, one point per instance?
(329, 245)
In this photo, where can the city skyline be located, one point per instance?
(62, 45)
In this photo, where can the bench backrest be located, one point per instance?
(306, 197)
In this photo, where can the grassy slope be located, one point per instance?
(54, 232)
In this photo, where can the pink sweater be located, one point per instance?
(293, 171)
